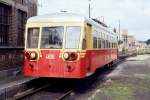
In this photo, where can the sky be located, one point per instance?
(134, 15)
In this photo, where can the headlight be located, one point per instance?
(33, 55)
(73, 56)
(70, 56)
(66, 56)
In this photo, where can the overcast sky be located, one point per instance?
(134, 15)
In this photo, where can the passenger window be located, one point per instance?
(99, 42)
(106, 43)
(95, 39)
(84, 41)
(103, 41)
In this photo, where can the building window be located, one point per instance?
(4, 24)
(22, 17)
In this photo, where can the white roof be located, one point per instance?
(57, 17)
(62, 17)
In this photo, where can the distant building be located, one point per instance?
(13, 16)
(124, 39)
(140, 44)
(131, 41)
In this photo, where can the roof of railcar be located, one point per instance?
(65, 17)
(58, 17)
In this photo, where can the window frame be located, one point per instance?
(49, 27)
(26, 40)
(95, 33)
(84, 37)
(65, 33)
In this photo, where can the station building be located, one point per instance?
(13, 16)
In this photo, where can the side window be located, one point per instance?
(99, 40)
(103, 41)
(95, 39)
(84, 40)
(106, 41)
(110, 42)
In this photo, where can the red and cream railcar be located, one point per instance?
(64, 45)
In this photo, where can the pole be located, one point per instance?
(119, 31)
(89, 8)
(119, 37)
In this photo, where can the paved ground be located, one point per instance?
(129, 80)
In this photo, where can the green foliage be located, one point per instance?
(148, 42)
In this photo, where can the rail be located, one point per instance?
(64, 95)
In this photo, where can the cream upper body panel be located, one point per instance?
(67, 18)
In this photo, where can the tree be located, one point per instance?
(148, 42)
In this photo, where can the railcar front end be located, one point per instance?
(53, 50)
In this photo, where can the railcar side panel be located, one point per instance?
(99, 58)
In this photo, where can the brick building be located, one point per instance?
(13, 16)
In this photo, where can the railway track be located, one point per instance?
(65, 95)
(31, 92)
(58, 96)
(27, 94)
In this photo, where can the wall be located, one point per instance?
(11, 54)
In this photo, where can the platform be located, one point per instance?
(11, 85)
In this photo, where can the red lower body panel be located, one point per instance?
(50, 64)
(101, 57)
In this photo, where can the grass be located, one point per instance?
(116, 91)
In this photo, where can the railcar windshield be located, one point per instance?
(52, 37)
(72, 37)
(32, 38)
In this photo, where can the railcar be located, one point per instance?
(65, 45)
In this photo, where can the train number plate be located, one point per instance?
(50, 56)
